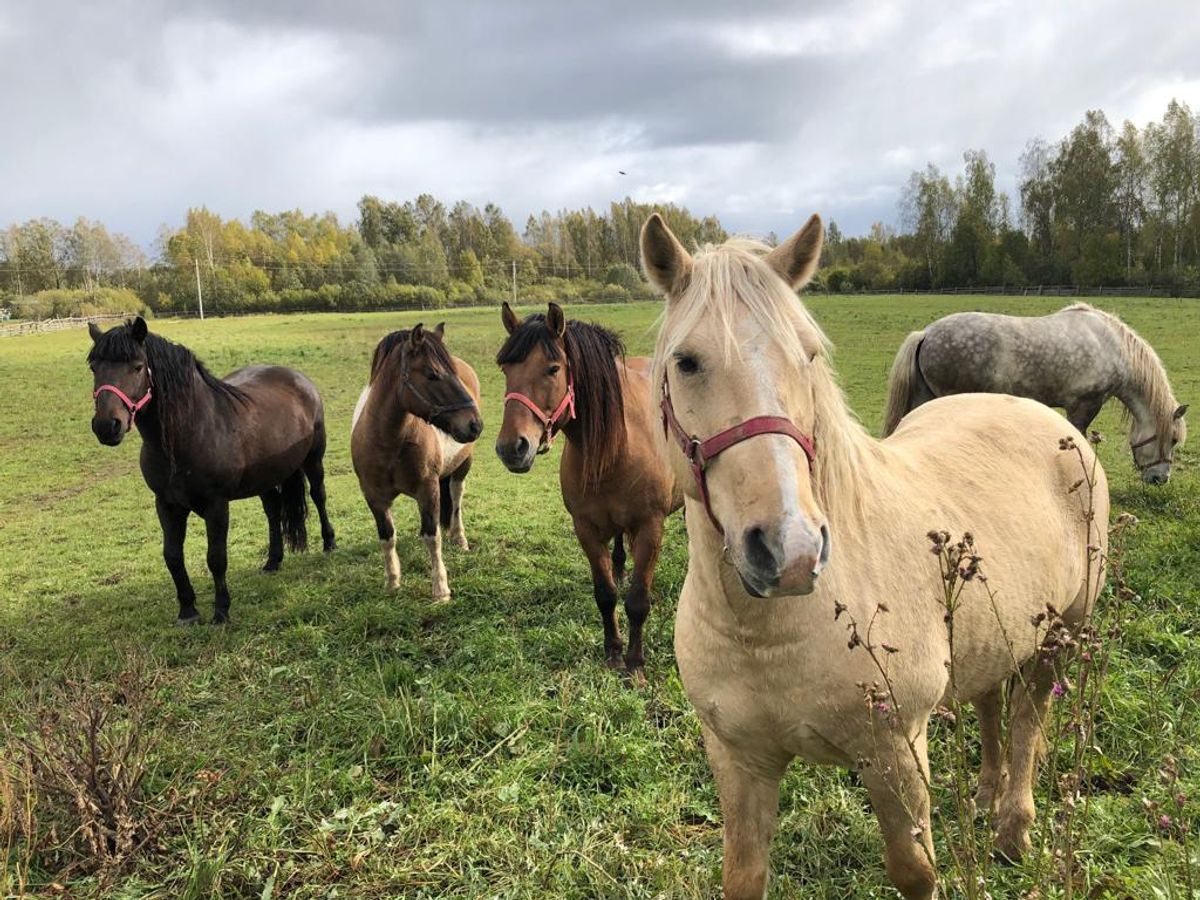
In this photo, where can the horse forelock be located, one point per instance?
(433, 344)
(732, 280)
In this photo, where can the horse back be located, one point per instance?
(1055, 359)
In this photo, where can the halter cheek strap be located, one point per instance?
(133, 407)
(700, 453)
(1162, 457)
(550, 421)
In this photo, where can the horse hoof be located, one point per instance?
(616, 663)
(637, 677)
(442, 598)
(271, 566)
(330, 546)
(220, 618)
(462, 544)
(185, 621)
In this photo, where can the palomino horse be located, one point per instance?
(415, 427)
(783, 486)
(206, 441)
(573, 377)
(1075, 358)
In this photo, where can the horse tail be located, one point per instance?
(903, 382)
(446, 504)
(295, 511)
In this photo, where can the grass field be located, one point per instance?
(336, 740)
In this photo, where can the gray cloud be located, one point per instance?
(132, 111)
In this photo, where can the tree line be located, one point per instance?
(1100, 207)
(417, 253)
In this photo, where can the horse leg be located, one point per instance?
(272, 502)
(647, 541)
(1084, 411)
(429, 499)
(992, 770)
(750, 809)
(618, 556)
(896, 779)
(604, 588)
(458, 483)
(314, 470)
(216, 523)
(173, 520)
(1015, 810)
(386, 530)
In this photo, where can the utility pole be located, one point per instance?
(199, 293)
(514, 280)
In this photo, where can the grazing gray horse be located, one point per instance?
(1075, 358)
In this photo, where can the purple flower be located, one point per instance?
(1058, 690)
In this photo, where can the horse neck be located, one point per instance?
(158, 428)
(1144, 390)
(387, 413)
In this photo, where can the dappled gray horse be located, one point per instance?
(1075, 358)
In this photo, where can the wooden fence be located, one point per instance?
(13, 329)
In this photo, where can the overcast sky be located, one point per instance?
(130, 111)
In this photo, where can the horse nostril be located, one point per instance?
(521, 446)
(114, 427)
(759, 553)
(475, 428)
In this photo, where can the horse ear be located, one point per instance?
(139, 329)
(664, 260)
(1181, 412)
(440, 330)
(94, 331)
(509, 318)
(556, 320)
(417, 335)
(796, 258)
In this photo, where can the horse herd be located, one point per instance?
(800, 524)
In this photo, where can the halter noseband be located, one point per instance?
(1162, 457)
(700, 453)
(134, 408)
(550, 421)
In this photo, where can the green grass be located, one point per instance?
(375, 745)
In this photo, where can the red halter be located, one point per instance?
(565, 409)
(134, 408)
(700, 453)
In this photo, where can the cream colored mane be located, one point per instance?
(731, 280)
(1146, 373)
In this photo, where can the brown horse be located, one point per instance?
(414, 431)
(574, 377)
(206, 441)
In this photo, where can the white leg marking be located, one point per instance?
(441, 584)
(391, 563)
(457, 534)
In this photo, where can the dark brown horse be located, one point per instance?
(573, 377)
(415, 427)
(205, 441)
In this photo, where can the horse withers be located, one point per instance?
(800, 523)
(260, 431)
(573, 377)
(414, 431)
(1076, 358)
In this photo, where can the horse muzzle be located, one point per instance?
(108, 430)
(774, 562)
(517, 455)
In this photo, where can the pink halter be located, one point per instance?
(134, 408)
(564, 410)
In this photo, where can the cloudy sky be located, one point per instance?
(129, 111)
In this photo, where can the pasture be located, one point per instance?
(337, 740)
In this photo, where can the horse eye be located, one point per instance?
(432, 375)
(687, 365)
(553, 370)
